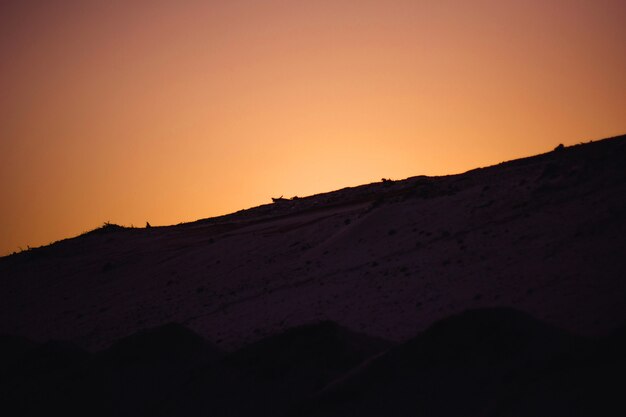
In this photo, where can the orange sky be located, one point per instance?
(170, 111)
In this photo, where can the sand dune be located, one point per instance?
(379, 264)
(486, 362)
(492, 362)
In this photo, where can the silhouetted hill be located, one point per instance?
(292, 303)
(170, 370)
(493, 362)
(490, 362)
(315, 351)
(124, 380)
(271, 376)
(542, 234)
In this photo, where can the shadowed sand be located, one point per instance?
(489, 362)
(361, 269)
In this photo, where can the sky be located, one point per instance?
(171, 111)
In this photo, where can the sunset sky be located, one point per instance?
(170, 111)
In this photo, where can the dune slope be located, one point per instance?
(545, 235)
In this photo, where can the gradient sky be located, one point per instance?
(170, 111)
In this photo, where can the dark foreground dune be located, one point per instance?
(494, 362)
(497, 292)
(489, 362)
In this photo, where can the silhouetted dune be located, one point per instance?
(169, 370)
(37, 378)
(309, 353)
(542, 234)
(160, 344)
(59, 379)
(490, 362)
(487, 362)
(288, 307)
(145, 367)
(276, 373)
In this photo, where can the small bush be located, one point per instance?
(106, 227)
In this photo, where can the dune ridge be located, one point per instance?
(502, 287)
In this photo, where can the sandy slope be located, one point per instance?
(545, 235)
